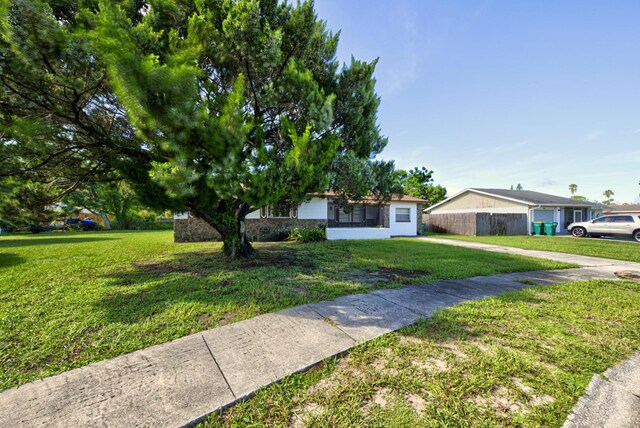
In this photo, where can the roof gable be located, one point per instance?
(535, 198)
(524, 197)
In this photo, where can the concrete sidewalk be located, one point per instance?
(549, 255)
(612, 399)
(180, 382)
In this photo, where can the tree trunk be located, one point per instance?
(236, 243)
(229, 222)
(103, 216)
(107, 222)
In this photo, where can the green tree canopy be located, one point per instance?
(418, 183)
(216, 107)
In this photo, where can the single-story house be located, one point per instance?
(622, 209)
(367, 219)
(505, 212)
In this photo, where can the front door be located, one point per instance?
(577, 216)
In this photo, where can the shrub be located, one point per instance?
(307, 234)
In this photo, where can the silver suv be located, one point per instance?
(609, 225)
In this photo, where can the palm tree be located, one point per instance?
(608, 194)
(573, 188)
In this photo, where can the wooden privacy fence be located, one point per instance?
(477, 224)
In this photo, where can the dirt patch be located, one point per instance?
(284, 257)
(542, 295)
(455, 350)
(417, 402)
(536, 400)
(325, 385)
(387, 275)
(521, 386)
(205, 262)
(303, 413)
(410, 340)
(541, 400)
(502, 401)
(381, 397)
(431, 364)
(381, 365)
(482, 346)
(633, 275)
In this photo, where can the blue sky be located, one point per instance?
(496, 93)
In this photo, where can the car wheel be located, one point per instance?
(579, 232)
(636, 235)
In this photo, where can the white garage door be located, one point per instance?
(543, 215)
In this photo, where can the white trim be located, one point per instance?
(578, 210)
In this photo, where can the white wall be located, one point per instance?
(315, 209)
(403, 228)
(337, 233)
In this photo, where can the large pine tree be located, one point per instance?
(218, 107)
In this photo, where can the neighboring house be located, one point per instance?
(364, 220)
(622, 209)
(505, 212)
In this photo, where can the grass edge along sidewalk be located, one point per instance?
(608, 249)
(68, 300)
(520, 359)
(172, 383)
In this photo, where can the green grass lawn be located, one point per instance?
(618, 250)
(521, 359)
(69, 299)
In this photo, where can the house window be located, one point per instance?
(279, 211)
(403, 215)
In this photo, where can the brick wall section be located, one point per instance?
(419, 218)
(386, 216)
(193, 230)
(264, 229)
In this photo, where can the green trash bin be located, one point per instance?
(537, 227)
(550, 229)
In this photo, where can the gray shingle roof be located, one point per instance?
(633, 207)
(536, 198)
